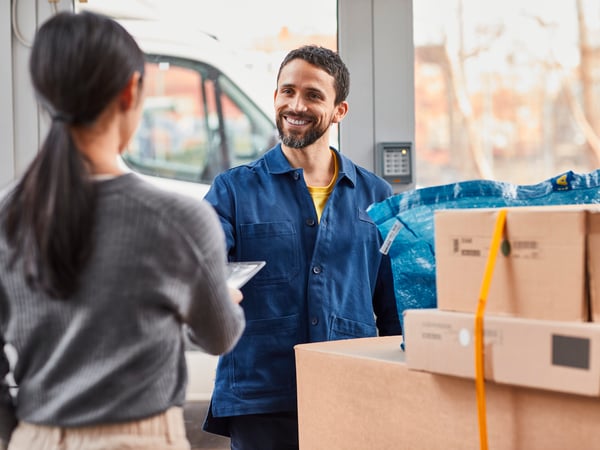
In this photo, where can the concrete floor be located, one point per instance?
(194, 414)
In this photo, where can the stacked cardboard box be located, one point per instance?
(593, 263)
(540, 272)
(542, 297)
(554, 355)
(542, 352)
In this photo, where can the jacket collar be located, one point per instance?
(277, 163)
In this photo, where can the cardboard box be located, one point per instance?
(593, 260)
(553, 355)
(541, 276)
(359, 394)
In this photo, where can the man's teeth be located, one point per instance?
(297, 121)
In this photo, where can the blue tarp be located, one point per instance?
(412, 250)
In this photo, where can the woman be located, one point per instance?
(99, 270)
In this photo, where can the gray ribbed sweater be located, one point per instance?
(114, 352)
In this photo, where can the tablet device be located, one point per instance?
(240, 272)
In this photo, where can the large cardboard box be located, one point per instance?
(359, 395)
(593, 260)
(553, 355)
(540, 272)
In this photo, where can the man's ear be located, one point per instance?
(340, 112)
(131, 92)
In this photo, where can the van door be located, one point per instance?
(196, 123)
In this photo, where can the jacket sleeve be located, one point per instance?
(220, 198)
(384, 301)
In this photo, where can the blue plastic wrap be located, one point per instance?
(412, 250)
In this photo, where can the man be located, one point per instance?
(301, 208)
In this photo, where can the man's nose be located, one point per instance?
(298, 104)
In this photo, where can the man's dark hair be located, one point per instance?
(325, 59)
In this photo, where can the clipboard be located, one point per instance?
(240, 272)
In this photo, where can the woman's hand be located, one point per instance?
(236, 295)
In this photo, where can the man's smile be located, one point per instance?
(297, 121)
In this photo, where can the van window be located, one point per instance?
(195, 123)
(245, 127)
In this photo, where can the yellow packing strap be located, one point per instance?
(483, 293)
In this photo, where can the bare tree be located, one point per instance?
(462, 97)
(587, 120)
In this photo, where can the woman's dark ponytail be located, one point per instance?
(50, 215)
(79, 63)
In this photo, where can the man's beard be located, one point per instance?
(300, 141)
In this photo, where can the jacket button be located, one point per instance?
(316, 270)
(296, 175)
(310, 222)
(314, 321)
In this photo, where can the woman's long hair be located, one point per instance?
(79, 63)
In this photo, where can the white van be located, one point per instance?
(205, 111)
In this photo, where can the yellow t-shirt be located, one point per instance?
(321, 194)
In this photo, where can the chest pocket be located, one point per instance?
(277, 243)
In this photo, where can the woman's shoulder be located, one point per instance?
(161, 204)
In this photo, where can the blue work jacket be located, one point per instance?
(322, 281)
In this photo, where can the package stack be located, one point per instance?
(541, 346)
(542, 314)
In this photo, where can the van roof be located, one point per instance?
(167, 38)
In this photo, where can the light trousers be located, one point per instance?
(164, 431)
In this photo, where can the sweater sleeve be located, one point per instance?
(215, 322)
(8, 420)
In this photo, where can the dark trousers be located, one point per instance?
(277, 431)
